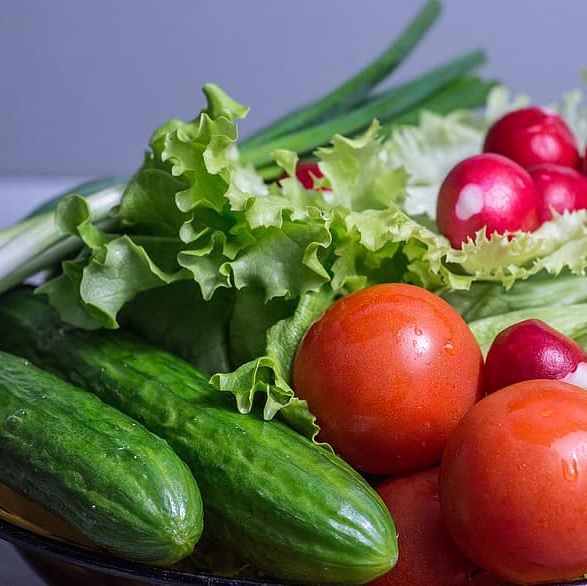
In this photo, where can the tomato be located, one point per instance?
(483, 578)
(388, 371)
(513, 482)
(427, 554)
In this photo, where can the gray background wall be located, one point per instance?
(83, 83)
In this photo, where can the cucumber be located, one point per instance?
(117, 483)
(288, 506)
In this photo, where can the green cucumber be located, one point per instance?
(288, 506)
(117, 483)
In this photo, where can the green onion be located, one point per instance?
(356, 89)
(39, 240)
(466, 93)
(394, 102)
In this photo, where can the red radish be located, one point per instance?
(307, 173)
(486, 190)
(558, 188)
(531, 136)
(531, 349)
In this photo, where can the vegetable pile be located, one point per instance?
(362, 330)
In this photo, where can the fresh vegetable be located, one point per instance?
(533, 135)
(308, 174)
(251, 260)
(354, 91)
(531, 349)
(513, 482)
(570, 320)
(288, 506)
(487, 299)
(352, 105)
(197, 211)
(427, 554)
(558, 189)
(484, 578)
(388, 371)
(489, 193)
(205, 255)
(388, 106)
(118, 484)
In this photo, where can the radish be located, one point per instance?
(531, 349)
(307, 172)
(531, 136)
(558, 189)
(485, 190)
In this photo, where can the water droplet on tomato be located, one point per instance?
(449, 347)
(570, 468)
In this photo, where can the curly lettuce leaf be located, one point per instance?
(252, 254)
(270, 373)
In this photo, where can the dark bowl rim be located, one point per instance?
(30, 542)
(45, 546)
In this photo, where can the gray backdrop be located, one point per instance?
(83, 83)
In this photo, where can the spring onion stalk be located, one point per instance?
(21, 228)
(49, 257)
(389, 104)
(38, 242)
(467, 93)
(355, 90)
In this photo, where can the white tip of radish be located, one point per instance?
(469, 202)
(578, 376)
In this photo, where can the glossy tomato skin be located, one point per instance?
(533, 135)
(513, 482)
(427, 554)
(388, 371)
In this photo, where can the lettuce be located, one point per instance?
(228, 271)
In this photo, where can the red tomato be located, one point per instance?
(483, 578)
(388, 371)
(513, 482)
(427, 554)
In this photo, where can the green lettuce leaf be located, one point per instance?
(571, 320)
(485, 298)
(228, 271)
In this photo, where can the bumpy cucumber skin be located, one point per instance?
(290, 507)
(116, 482)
